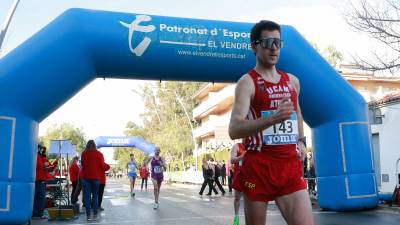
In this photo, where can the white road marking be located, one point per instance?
(145, 200)
(119, 201)
(174, 199)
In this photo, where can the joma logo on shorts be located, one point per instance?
(249, 185)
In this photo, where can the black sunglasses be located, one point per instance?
(268, 42)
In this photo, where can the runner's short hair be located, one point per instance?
(263, 25)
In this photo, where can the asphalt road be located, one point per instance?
(181, 205)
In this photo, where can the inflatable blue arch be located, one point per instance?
(124, 142)
(80, 45)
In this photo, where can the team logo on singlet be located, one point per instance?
(135, 26)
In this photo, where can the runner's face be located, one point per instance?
(268, 56)
(157, 152)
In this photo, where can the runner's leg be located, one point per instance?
(296, 208)
(255, 212)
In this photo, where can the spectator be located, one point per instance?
(74, 175)
(93, 167)
(223, 173)
(102, 185)
(43, 167)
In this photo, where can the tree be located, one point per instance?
(65, 131)
(332, 55)
(165, 122)
(381, 21)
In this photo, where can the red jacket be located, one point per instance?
(103, 177)
(93, 165)
(144, 172)
(43, 167)
(41, 174)
(74, 172)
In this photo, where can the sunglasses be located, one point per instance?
(268, 42)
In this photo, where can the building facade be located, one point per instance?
(384, 116)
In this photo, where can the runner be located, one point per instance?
(266, 112)
(144, 174)
(131, 171)
(157, 176)
(237, 154)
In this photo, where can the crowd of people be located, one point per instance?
(87, 174)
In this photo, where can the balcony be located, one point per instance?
(208, 87)
(217, 102)
(208, 128)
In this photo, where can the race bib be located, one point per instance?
(131, 168)
(158, 169)
(283, 133)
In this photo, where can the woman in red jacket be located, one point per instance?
(92, 168)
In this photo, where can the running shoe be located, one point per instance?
(155, 205)
(236, 220)
(133, 195)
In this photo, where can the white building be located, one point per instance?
(385, 128)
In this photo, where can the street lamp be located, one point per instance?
(7, 23)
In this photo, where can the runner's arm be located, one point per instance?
(163, 163)
(300, 120)
(234, 158)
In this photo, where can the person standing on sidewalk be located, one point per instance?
(223, 173)
(43, 167)
(93, 166)
(102, 185)
(74, 176)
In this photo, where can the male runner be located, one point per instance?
(266, 112)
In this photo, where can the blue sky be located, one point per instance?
(319, 20)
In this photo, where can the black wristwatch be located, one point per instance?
(302, 139)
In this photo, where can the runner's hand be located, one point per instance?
(285, 109)
(301, 151)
